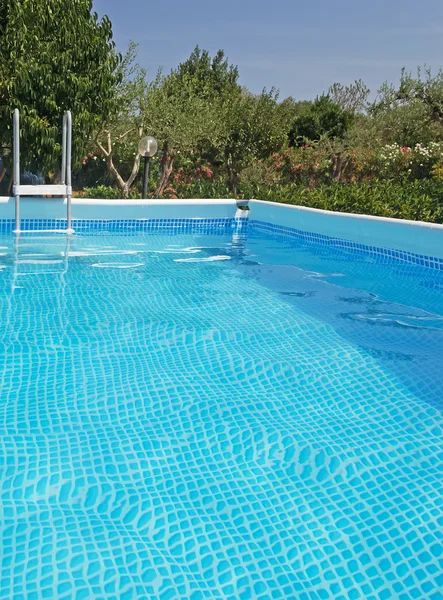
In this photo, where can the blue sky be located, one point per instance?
(298, 46)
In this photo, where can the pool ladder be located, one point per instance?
(60, 190)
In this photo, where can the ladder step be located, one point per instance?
(36, 261)
(45, 231)
(42, 190)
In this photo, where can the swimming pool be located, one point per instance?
(221, 412)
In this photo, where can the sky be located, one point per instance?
(300, 47)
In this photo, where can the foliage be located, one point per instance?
(420, 200)
(322, 118)
(211, 78)
(256, 126)
(105, 192)
(351, 98)
(117, 138)
(331, 160)
(308, 165)
(411, 113)
(216, 138)
(425, 89)
(54, 55)
(186, 110)
(437, 171)
(192, 171)
(417, 162)
(414, 200)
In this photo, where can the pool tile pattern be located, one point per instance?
(266, 426)
(220, 225)
(318, 238)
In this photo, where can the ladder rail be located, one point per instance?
(16, 167)
(68, 169)
(64, 134)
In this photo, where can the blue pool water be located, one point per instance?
(218, 417)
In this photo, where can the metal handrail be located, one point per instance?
(68, 156)
(16, 172)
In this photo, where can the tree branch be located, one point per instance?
(120, 182)
(135, 170)
(125, 134)
(101, 148)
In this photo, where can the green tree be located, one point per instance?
(186, 109)
(322, 118)
(211, 77)
(120, 132)
(255, 127)
(54, 55)
(181, 120)
(352, 98)
(412, 112)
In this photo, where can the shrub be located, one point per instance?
(419, 200)
(418, 162)
(105, 192)
(414, 200)
(321, 118)
(308, 165)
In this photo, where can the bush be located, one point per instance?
(321, 118)
(419, 200)
(105, 192)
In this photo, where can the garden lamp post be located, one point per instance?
(147, 147)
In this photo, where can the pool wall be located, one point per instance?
(412, 241)
(410, 236)
(85, 208)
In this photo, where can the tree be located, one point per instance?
(351, 98)
(426, 89)
(120, 133)
(322, 118)
(412, 112)
(256, 126)
(182, 121)
(54, 55)
(212, 78)
(185, 110)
